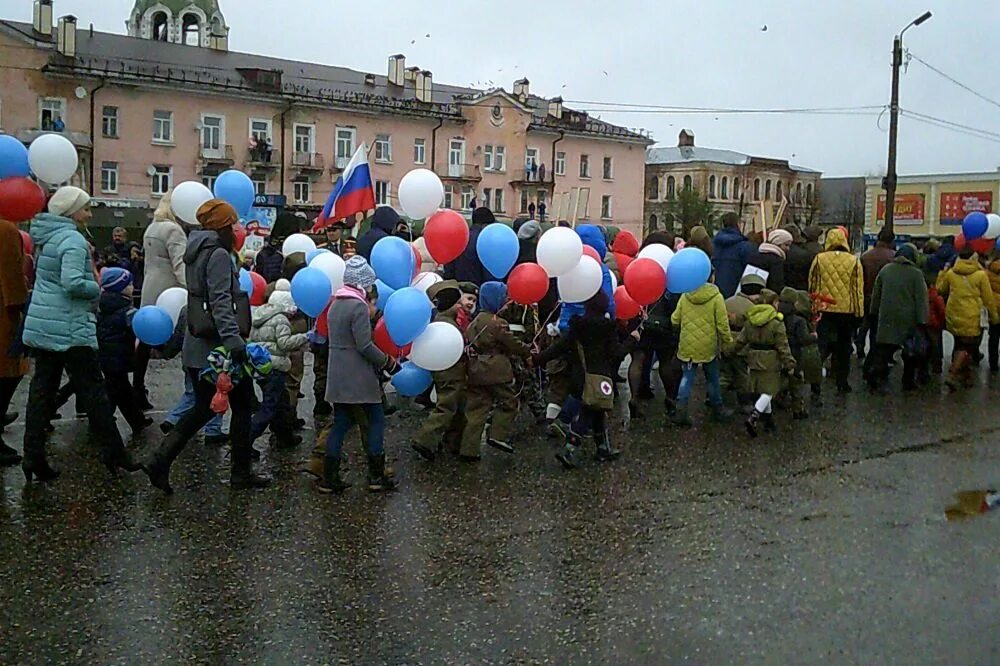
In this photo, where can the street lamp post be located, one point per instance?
(889, 182)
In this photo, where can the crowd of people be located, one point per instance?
(780, 313)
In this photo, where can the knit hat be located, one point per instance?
(68, 201)
(444, 294)
(779, 237)
(483, 216)
(116, 280)
(216, 214)
(282, 296)
(529, 230)
(492, 296)
(359, 274)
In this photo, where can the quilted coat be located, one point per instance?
(63, 309)
(837, 274)
(704, 324)
(273, 331)
(764, 344)
(967, 291)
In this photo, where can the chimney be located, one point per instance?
(556, 108)
(521, 89)
(685, 139)
(424, 86)
(410, 74)
(43, 17)
(397, 64)
(369, 79)
(66, 36)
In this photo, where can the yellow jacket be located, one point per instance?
(967, 290)
(837, 274)
(701, 316)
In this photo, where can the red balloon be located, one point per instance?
(527, 284)
(592, 253)
(446, 235)
(239, 236)
(983, 246)
(960, 241)
(384, 342)
(20, 199)
(26, 244)
(645, 281)
(623, 262)
(625, 306)
(259, 285)
(417, 260)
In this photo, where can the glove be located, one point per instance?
(552, 330)
(238, 356)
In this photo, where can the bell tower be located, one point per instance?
(188, 22)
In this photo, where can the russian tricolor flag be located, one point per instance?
(352, 193)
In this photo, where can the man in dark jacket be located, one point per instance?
(730, 250)
(798, 260)
(268, 261)
(812, 244)
(385, 223)
(468, 267)
(872, 262)
(213, 288)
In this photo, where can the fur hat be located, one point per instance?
(359, 274)
(68, 201)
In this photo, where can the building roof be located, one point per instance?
(672, 155)
(208, 6)
(131, 60)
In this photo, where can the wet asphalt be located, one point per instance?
(823, 543)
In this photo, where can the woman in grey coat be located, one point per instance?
(354, 381)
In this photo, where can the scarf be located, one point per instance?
(463, 319)
(348, 291)
(768, 248)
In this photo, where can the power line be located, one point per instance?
(929, 120)
(710, 109)
(953, 124)
(953, 80)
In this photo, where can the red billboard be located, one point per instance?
(956, 205)
(908, 209)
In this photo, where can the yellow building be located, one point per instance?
(931, 204)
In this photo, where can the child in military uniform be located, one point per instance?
(800, 338)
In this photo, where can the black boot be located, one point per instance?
(769, 425)
(331, 481)
(39, 469)
(115, 457)
(378, 480)
(157, 468)
(752, 422)
(8, 456)
(605, 452)
(681, 417)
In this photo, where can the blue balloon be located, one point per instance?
(392, 259)
(384, 292)
(315, 253)
(407, 314)
(688, 269)
(13, 158)
(311, 291)
(236, 188)
(412, 380)
(246, 282)
(498, 249)
(152, 325)
(975, 225)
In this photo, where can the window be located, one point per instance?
(345, 145)
(767, 190)
(209, 182)
(736, 188)
(419, 151)
(486, 196)
(687, 183)
(493, 158)
(109, 177)
(50, 110)
(652, 222)
(382, 192)
(798, 193)
(609, 170)
(584, 166)
(671, 188)
(606, 207)
(560, 164)
(109, 122)
(499, 159)
(260, 129)
(259, 186)
(161, 27)
(212, 133)
(809, 194)
(488, 158)
(711, 187)
(304, 138)
(467, 196)
(498, 200)
(191, 30)
(653, 189)
(449, 195)
(777, 195)
(383, 148)
(756, 189)
(302, 191)
(163, 126)
(162, 180)
(524, 201)
(724, 188)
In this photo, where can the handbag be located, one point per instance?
(598, 391)
(201, 323)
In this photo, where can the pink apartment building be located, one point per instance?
(169, 102)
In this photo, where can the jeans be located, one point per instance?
(275, 410)
(186, 404)
(345, 416)
(711, 370)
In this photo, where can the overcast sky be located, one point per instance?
(690, 53)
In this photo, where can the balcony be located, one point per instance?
(220, 156)
(79, 139)
(260, 160)
(538, 177)
(308, 162)
(460, 172)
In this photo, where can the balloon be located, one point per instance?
(13, 158)
(624, 261)
(418, 261)
(20, 199)
(420, 193)
(172, 301)
(407, 313)
(689, 269)
(592, 253)
(446, 235)
(960, 241)
(498, 248)
(239, 236)
(582, 282)
(645, 281)
(384, 341)
(187, 198)
(614, 281)
(311, 291)
(658, 252)
(26, 243)
(983, 246)
(53, 158)
(392, 260)
(333, 267)
(384, 292)
(315, 253)
(246, 282)
(625, 306)
(152, 325)
(412, 380)
(975, 225)
(559, 251)
(298, 243)
(425, 281)
(438, 348)
(259, 286)
(527, 284)
(236, 188)
(994, 227)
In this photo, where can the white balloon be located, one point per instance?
(187, 198)
(614, 281)
(659, 253)
(993, 231)
(438, 348)
(172, 301)
(559, 251)
(298, 243)
(332, 266)
(425, 281)
(53, 158)
(582, 282)
(420, 193)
